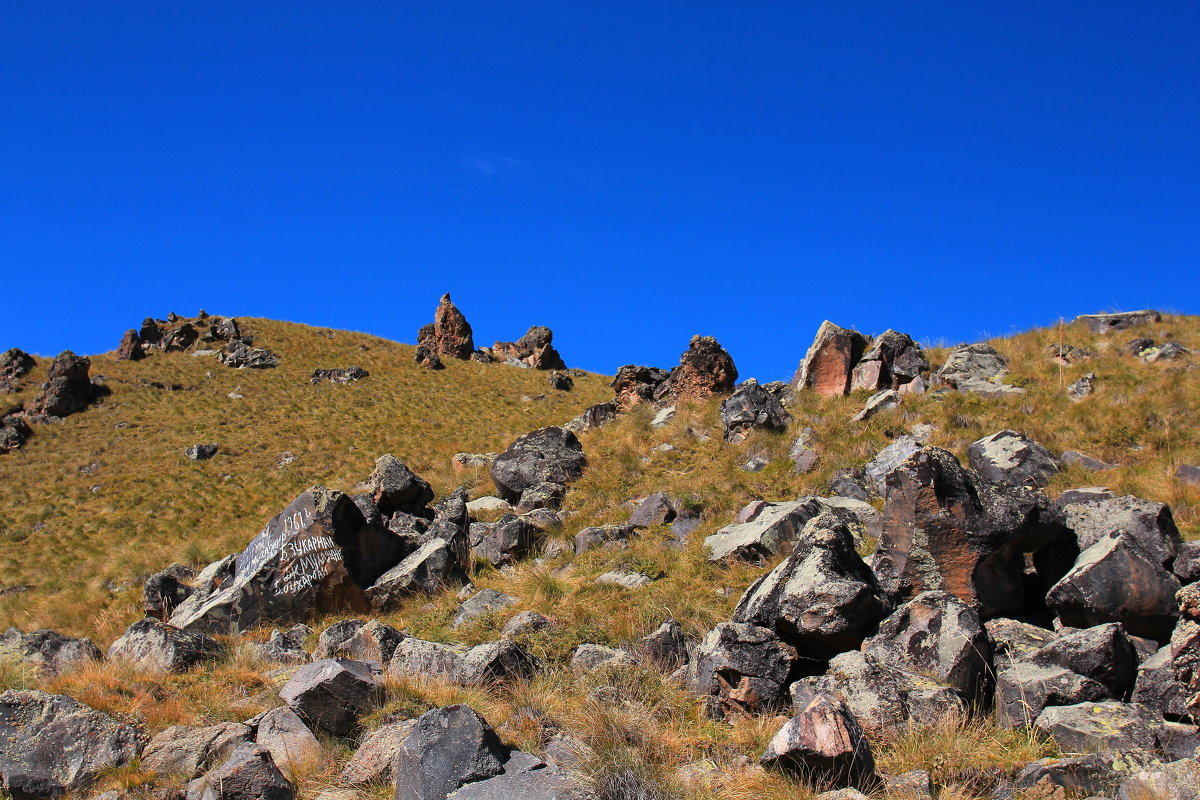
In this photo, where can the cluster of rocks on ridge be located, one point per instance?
(450, 335)
(178, 334)
(69, 389)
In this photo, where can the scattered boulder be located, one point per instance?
(1012, 459)
(447, 747)
(657, 509)
(547, 455)
(1067, 354)
(1157, 686)
(506, 541)
(290, 742)
(450, 333)
(51, 744)
(69, 388)
(750, 407)
(626, 579)
(1119, 321)
(339, 375)
(560, 382)
(532, 351)
(154, 645)
(1096, 727)
(49, 652)
(1074, 458)
(201, 452)
(250, 773)
(462, 461)
(189, 751)
(885, 400)
(394, 487)
(885, 462)
(428, 359)
(828, 365)
(332, 694)
(415, 658)
(14, 432)
(433, 566)
(892, 361)
(240, 355)
(822, 599)
(1014, 641)
(823, 744)
(524, 623)
(1168, 351)
(602, 536)
(1103, 653)
(1150, 523)
(542, 495)
(1082, 388)
(1024, 690)
(284, 647)
(164, 591)
(373, 760)
(483, 602)
(776, 527)
(495, 662)
(14, 365)
(665, 646)
(740, 668)
(359, 641)
(131, 347)
(635, 384)
(977, 368)
(593, 417)
(704, 369)
(592, 657)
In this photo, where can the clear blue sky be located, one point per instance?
(627, 173)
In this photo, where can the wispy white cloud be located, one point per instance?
(493, 166)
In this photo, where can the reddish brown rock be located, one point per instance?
(534, 349)
(824, 744)
(636, 384)
(704, 369)
(130, 348)
(829, 364)
(450, 333)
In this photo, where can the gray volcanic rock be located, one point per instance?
(372, 762)
(829, 363)
(749, 407)
(448, 747)
(1096, 727)
(775, 528)
(547, 455)
(49, 652)
(394, 487)
(154, 645)
(822, 599)
(740, 668)
(1119, 321)
(507, 541)
(164, 591)
(190, 751)
(1157, 686)
(316, 556)
(602, 536)
(824, 744)
(240, 355)
(284, 647)
(483, 602)
(290, 741)
(657, 509)
(636, 384)
(977, 368)
(332, 694)
(250, 773)
(1150, 523)
(495, 662)
(51, 744)
(429, 569)
(15, 364)
(1012, 459)
(1024, 690)
(1102, 653)
(14, 432)
(339, 375)
(358, 641)
(201, 452)
(893, 360)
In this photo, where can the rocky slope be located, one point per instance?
(423, 573)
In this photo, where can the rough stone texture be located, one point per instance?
(154, 645)
(394, 487)
(1102, 653)
(945, 528)
(1168, 351)
(14, 432)
(50, 744)
(1013, 640)
(547, 455)
(1117, 580)
(977, 368)
(15, 364)
(1095, 727)
(937, 635)
(130, 348)
(284, 647)
(1012, 459)
(1150, 523)
(419, 658)
(882, 696)
(69, 388)
(665, 647)
(740, 668)
(201, 452)
(892, 361)
(886, 461)
(250, 773)
(822, 599)
(1179, 780)
(626, 579)
(428, 359)
(189, 751)
(635, 384)
(542, 495)
(358, 641)
(1024, 690)
(595, 416)
(447, 747)
(1074, 458)
(775, 528)
(288, 739)
(484, 602)
(428, 570)
(316, 556)
(524, 623)
(1157, 686)
(372, 762)
(560, 382)
(49, 652)
(1082, 388)
(495, 662)
(602, 536)
(240, 355)
(507, 541)
(339, 375)
(885, 400)
(533, 784)
(332, 694)
(450, 333)
(828, 365)
(1080, 776)
(704, 369)
(164, 591)
(823, 744)
(657, 509)
(1119, 321)
(591, 657)
(750, 407)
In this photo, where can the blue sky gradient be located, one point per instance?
(627, 173)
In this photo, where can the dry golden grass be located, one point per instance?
(638, 733)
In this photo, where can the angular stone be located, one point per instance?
(971, 364)
(1179, 780)
(290, 741)
(394, 487)
(822, 600)
(1102, 653)
(885, 400)
(542, 495)
(448, 747)
(487, 601)
(534, 784)
(49, 652)
(69, 388)
(625, 579)
(704, 369)
(828, 365)
(636, 384)
(417, 658)
(284, 647)
(1012, 459)
(547, 455)
(1015, 641)
(240, 355)
(1074, 458)
(886, 461)
(1118, 321)
(1150, 523)
(591, 657)
(339, 375)
(525, 622)
(1082, 388)
(602, 536)
(249, 773)
(154, 645)
(823, 744)
(1024, 690)
(657, 509)
(596, 416)
(372, 762)
(164, 591)
(189, 751)
(1095, 727)
(495, 662)
(51, 744)
(750, 407)
(332, 694)
(428, 570)
(450, 333)
(775, 528)
(507, 541)
(358, 641)
(201, 452)
(1157, 686)
(740, 668)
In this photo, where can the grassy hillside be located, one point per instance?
(154, 507)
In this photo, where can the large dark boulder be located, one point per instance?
(741, 668)
(1118, 580)
(829, 363)
(823, 745)
(1096, 727)
(14, 432)
(1103, 653)
(1012, 459)
(533, 350)
(636, 384)
(69, 388)
(447, 748)
(977, 368)
(1025, 690)
(506, 541)
(154, 645)
(395, 487)
(450, 333)
(432, 567)
(131, 347)
(822, 599)
(189, 751)
(1150, 523)
(945, 528)
(51, 744)
(316, 556)
(892, 360)
(704, 369)
(49, 652)
(547, 455)
(15, 364)
(332, 694)
(250, 773)
(750, 407)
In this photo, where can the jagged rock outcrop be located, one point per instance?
(533, 350)
(774, 528)
(547, 455)
(752, 406)
(240, 355)
(449, 334)
(828, 365)
(317, 555)
(15, 364)
(977, 368)
(1119, 321)
(893, 360)
(394, 487)
(704, 369)
(14, 432)
(636, 384)
(69, 388)
(250, 773)
(51, 744)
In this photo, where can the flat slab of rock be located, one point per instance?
(291, 743)
(1123, 320)
(828, 365)
(155, 645)
(189, 751)
(1095, 727)
(776, 527)
(484, 602)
